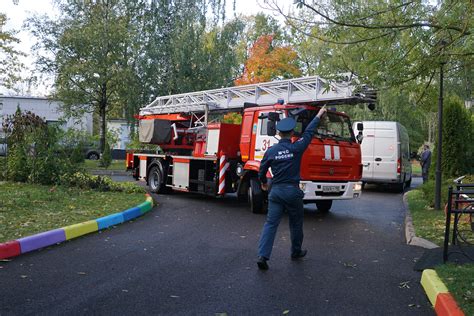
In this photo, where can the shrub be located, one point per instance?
(17, 165)
(87, 181)
(428, 189)
(35, 155)
(457, 140)
(77, 155)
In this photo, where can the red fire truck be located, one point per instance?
(202, 155)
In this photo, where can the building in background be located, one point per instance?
(50, 111)
(122, 130)
(45, 108)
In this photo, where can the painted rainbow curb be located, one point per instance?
(438, 294)
(23, 245)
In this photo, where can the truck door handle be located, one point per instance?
(368, 164)
(378, 159)
(257, 149)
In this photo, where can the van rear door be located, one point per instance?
(385, 151)
(367, 150)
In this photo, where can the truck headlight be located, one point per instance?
(303, 186)
(357, 186)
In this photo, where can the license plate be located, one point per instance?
(330, 188)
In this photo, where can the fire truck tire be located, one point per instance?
(155, 180)
(324, 205)
(256, 199)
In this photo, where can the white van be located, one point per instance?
(385, 154)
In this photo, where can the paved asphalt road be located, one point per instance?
(196, 256)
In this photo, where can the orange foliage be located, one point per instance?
(266, 63)
(232, 118)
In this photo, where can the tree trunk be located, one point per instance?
(102, 114)
(103, 128)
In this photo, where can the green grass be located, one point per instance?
(95, 165)
(460, 282)
(26, 209)
(430, 224)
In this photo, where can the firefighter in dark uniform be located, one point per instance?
(285, 195)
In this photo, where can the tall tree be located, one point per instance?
(395, 43)
(267, 63)
(181, 46)
(87, 52)
(396, 46)
(10, 64)
(115, 56)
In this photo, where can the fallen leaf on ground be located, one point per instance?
(23, 276)
(286, 312)
(349, 265)
(81, 273)
(404, 285)
(174, 296)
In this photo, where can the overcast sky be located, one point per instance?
(17, 13)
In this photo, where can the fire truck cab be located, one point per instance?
(331, 166)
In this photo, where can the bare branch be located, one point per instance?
(426, 87)
(375, 26)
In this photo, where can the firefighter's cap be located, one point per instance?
(286, 125)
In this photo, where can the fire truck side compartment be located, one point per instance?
(223, 138)
(202, 177)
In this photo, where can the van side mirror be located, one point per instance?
(271, 128)
(360, 127)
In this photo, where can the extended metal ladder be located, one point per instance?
(299, 90)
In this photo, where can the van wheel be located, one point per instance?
(155, 180)
(324, 205)
(255, 196)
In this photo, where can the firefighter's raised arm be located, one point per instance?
(305, 139)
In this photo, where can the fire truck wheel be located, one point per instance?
(155, 180)
(324, 205)
(255, 197)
